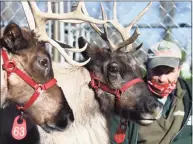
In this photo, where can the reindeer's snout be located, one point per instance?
(149, 105)
(64, 118)
(150, 109)
(65, 115)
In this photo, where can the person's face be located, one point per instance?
(164, 74)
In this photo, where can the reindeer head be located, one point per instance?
(50, 110)
(116, 67)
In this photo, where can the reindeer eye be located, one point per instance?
(43, 62)
(113, 67)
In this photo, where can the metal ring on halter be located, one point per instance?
(95, 83)
(9, 66)
(39, 88)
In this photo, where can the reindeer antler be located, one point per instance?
(76, 16)
(127, 39)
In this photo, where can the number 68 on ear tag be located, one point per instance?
(19, 130)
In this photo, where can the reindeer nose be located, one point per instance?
(155, 108)
(70, 116)
(65, 118)
(67, 114)
(149, 105)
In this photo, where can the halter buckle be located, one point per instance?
(95, 83)
(39, 88)
(118, 92)
(9, 66)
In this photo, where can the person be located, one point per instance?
(163, 79)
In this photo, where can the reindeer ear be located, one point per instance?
(136, 48)
(12, 38)
(82, 42)
(63, 45)
(89, 50)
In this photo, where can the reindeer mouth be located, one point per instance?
(47, 128)
(52, 127)
(142, 118)
(147, 119)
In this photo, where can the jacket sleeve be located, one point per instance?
(185, 134)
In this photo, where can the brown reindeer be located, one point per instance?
(113, 67)
(27, 73)
(115, 74)
(27, 49)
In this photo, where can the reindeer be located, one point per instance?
(27, 49)
(108, 85)
(28, 80)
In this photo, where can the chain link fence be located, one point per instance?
(164, 20)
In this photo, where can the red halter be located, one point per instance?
(10, 67)
(95, 83)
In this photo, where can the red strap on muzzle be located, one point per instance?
(10, 67)
(95, 83)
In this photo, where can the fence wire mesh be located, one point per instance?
(164, 20)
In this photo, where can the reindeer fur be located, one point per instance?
(90, 126)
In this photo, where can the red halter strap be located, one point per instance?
(95, 83)
(10, 67)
